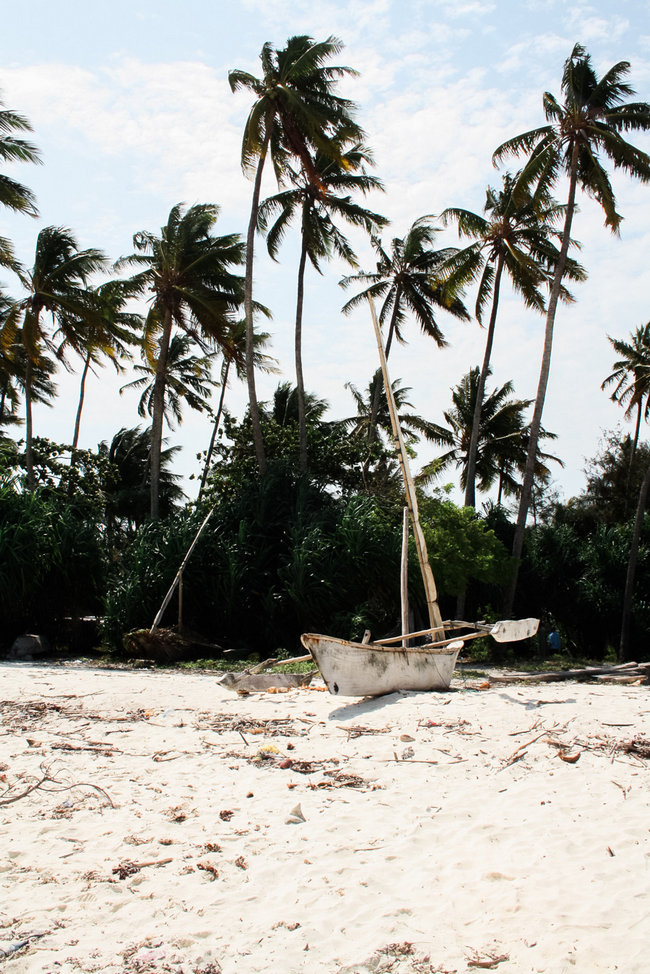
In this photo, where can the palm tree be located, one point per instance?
(502, 443)
(233, 351)
(107, 335)
(587, 125)
(413, 426)
(285, 407)
(632, 377)
(127, 490)
(188, 273)
(296, 111)
(57, 284)
(517, 237)
(13, 194)
(188, 379)
(13, 367)
(408, 281)
(317, 206)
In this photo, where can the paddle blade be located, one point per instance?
(512, 630)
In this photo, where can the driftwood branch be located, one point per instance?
(57, 785)
(585, 673)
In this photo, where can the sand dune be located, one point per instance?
(201, 831)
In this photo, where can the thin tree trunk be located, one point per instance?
(158, 414)
(248, 309)
(82, 395)
(215, 428)
(29, 454)
(302, 418)
(633, 451)
(3, 399)
(529, 473)
(624, 645)
(470, 486)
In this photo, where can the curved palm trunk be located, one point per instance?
(215, 428)
(248, 309)
(529, 473)
(158, 414)
(624, 645)
(302, 419)
(470, 487)
(82, 396)
(29, 454)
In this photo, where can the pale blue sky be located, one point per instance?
(133, 113)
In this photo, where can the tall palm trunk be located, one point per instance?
(300, 384)
(624, 645)
(158, 413)
(29, 453)
(529, 473)
(635, 442)
(470, 486)
(3, 400)
(82, 396)
(248, 309)
(215, 428)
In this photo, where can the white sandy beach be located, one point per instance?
(442, 832)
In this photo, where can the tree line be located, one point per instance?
(200, 305)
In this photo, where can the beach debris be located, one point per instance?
(569, 758)
(488, 961)
(241, 862)
(49, 781)
(207, 867)
(390, 957)
(584, 673)
(296, 816)
(249, 682)
(129, 868)
(225, 814)
(176, 814)
(25, 942)
(273, 727)
(358, 730)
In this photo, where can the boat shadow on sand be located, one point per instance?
(367, 705)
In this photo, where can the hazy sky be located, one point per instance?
(132, 110)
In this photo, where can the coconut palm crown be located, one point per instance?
(188, 273)
(296, 112)
(585, 130)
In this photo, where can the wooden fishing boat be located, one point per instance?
(370, 669)
(353, 669)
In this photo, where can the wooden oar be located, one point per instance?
(506, 631)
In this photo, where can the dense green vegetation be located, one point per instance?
(306, 524)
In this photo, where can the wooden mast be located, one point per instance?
(430, 591)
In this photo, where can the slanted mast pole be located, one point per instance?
(430, 591)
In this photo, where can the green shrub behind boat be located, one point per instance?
(281, 555)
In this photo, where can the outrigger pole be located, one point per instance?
(430, 591)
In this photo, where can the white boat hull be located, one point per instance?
(367, 670)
